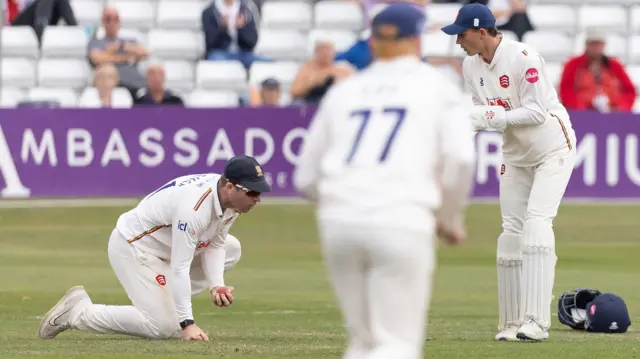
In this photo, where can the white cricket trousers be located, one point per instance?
(382, 278)
(529, 201)
(143, 277)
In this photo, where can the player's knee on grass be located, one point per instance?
(233, 252)
(163, 328)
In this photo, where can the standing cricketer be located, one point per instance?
(388, 159)
(174, 244)
(513, 94)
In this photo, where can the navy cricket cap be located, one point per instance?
(247, 172)
(471, 16)
(607, 313)
(397, 21)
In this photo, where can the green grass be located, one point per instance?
(284, 306)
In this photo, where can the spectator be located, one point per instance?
(595, 81)
(155, 92)
(230, 32)
(123, 53)
(105, 80)
(269, 95)
(39, 14)
(511, 15)
(317, 75)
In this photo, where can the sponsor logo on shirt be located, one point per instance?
(497, 101)
(203, 244)
(182, 226)
(504, 81)
(532, 75)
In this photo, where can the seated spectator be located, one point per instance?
(105, 80)
(123, 53)
(230, 31)
(511, 15)
(39, 14)
(595, 81)
(269, 94)
(155, 93)
(317, 75)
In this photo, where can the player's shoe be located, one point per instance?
(508, 334)
(57, 320)
(532, 331)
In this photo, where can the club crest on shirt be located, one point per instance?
(532, 75)
(498, 101)
(504, 81)
(502, 169)
(161, 280)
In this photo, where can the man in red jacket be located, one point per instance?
(595, 81)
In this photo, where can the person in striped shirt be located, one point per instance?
(173, 245)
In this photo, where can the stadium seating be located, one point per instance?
(221, 75)
(66, 97)
(213, 99)
(120, 98)
(289, 29)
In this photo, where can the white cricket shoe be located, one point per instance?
(532, 331)
(57, 319)
(508, 334)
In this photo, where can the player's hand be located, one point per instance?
(222, 296)
(193, 332)
(451, 236)
(488, 118)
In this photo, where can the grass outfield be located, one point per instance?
(284, 306)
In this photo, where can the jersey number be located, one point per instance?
(365, 115)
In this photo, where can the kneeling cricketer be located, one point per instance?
(173, 245)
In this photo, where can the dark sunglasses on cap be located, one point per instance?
(250, 193)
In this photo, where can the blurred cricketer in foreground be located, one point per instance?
(173, 245)
(388, 159)
(513, 94)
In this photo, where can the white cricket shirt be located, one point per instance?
(375, 146)
(538, 124)
(175, 222)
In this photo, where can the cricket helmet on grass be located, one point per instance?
(593, 311)
(572, 307)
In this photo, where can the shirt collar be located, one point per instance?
(217, 207)
(497, 55)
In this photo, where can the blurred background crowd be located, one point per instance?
(252, 53)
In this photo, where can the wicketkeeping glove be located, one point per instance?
(489, 118)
